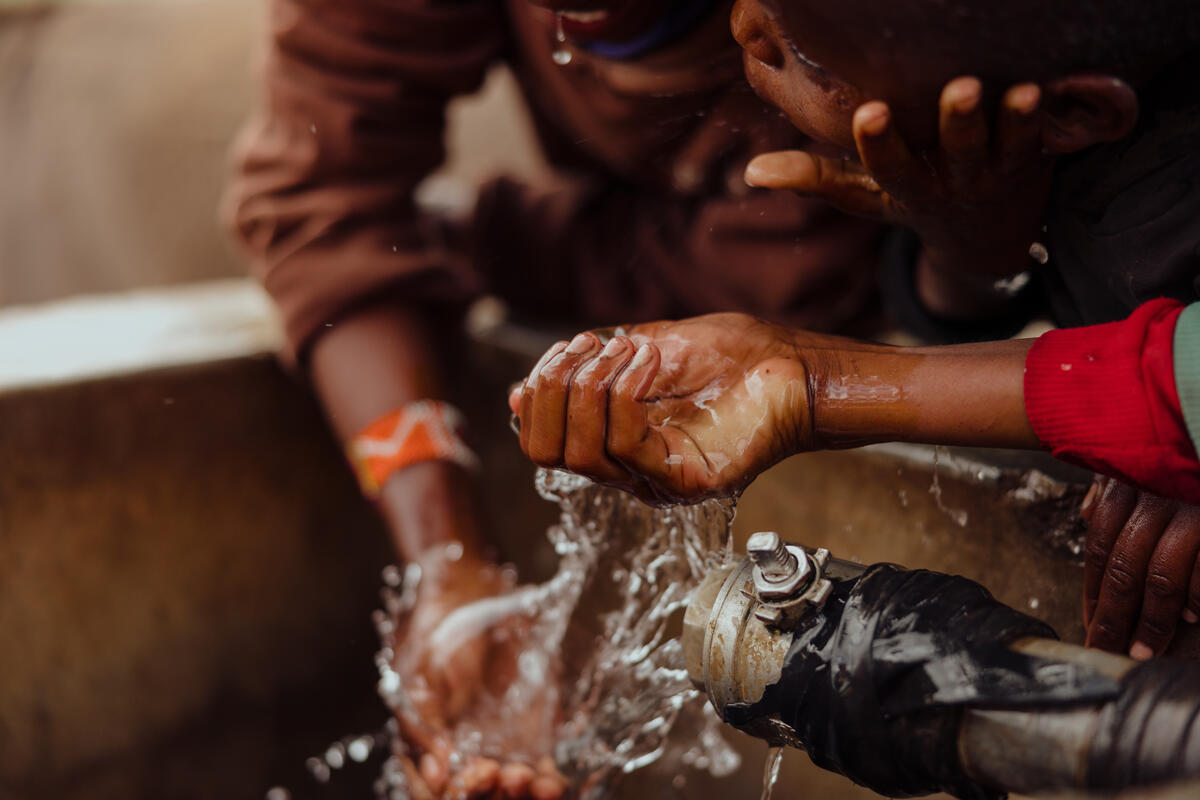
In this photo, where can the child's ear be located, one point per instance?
(1082, 110)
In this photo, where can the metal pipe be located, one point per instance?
(1075, 719)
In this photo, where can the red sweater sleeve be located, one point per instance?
(1104, 397)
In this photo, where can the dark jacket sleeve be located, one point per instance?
(351, 121)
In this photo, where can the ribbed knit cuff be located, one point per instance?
(1104, 397)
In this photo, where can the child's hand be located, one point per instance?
(671, 411)
(1141, 572)
(976, 201)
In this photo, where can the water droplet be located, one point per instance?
(562, 53)
(278, 793)
(335, 756)
(360, 749)
(318, 769)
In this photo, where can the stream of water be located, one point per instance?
(600, 681)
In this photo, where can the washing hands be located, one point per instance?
(456, 651)
(669, 411)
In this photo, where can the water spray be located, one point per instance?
(912, 682)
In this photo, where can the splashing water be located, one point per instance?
(958, 515)
(600, 680)
(771, 771)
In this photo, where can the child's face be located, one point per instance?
(606, 20)
(818, 61)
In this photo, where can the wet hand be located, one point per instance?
(1141, 573)
(670, 411)
(976, 200)
(457, 648)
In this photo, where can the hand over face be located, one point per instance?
(976, 201)
(457, 654)
(671, 411)
(1141, 572)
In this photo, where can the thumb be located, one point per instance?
(514, 397)
(841, 183)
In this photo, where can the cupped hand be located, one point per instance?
(1141, 574)
(456, 653)
(976, 200)
(670, 411)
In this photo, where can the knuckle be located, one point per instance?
(1095, 558)
(581, 459)
(1153, 630)
(1120, 578)
(544, 455)
(1105, 634)
(1162, 586)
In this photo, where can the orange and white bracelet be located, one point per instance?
(424, 430)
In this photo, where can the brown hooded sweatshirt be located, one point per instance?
(353, 119)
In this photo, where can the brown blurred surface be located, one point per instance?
(114, 125)
(116, 120)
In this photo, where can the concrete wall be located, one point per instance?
(187, 570)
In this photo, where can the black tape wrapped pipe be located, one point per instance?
(875, 684)
(1151, 733)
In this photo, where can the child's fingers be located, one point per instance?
(1094, 492)
(1124, 582)
(418, 789)
(549, 783)
(1112, 509)
(1018, 128)
(525, 411)
(630, 441)
(476, 780)
(1191, 614)
(884, 153)
(963, 132)
(1167, 584)
(514, 780)
(548, 411)
(841, 183)
(694, 162)
(584, 451)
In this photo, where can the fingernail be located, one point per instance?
(873, 118)
(1089, 499)
(1190, 617)
(753, 175)
(1141, 652)
(761, 172)
(642, 357)
(580, 344)
(964, 94)
(613, 347)
(1026, 98)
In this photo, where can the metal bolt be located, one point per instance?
(771, 556)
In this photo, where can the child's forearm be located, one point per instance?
(971, 395)
(368, 364)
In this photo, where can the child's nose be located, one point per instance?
(751, 28)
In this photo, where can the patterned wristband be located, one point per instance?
(424, 430)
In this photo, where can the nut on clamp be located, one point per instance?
(787, 580)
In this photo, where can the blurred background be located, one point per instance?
(187, 570)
